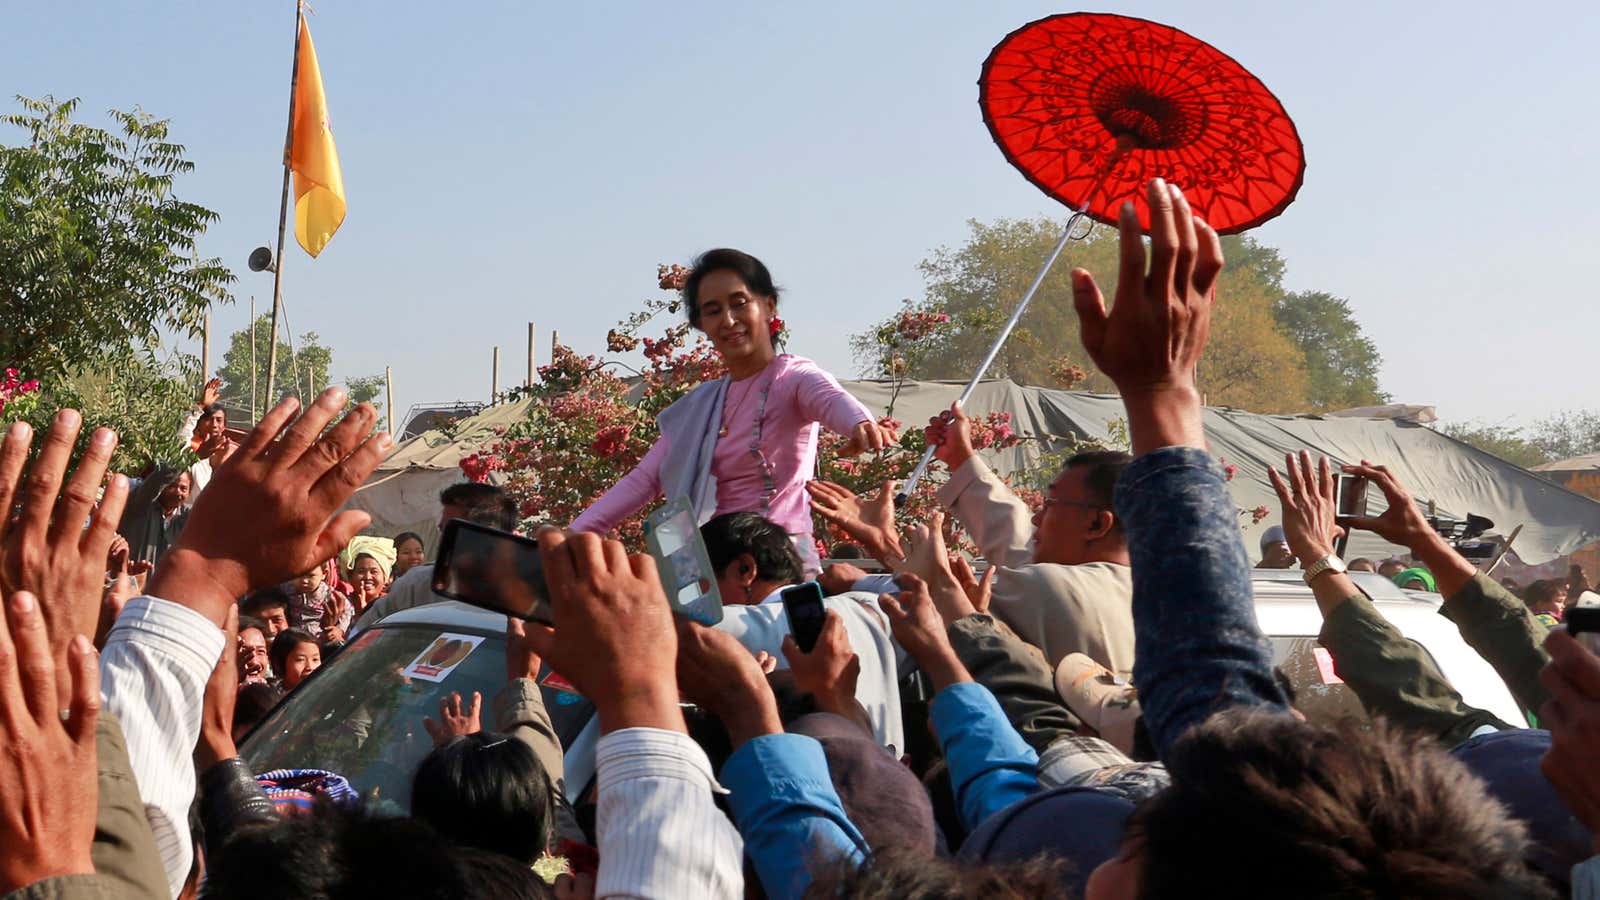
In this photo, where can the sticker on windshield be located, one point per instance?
(442, 656)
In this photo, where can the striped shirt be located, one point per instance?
(153, 674)
(658, 826)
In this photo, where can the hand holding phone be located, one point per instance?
(492, 569)
(802, 605)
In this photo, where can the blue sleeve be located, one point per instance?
(991, 766)
(787, 811)
(877, 584)
(1197, 647)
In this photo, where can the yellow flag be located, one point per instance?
(318, 186)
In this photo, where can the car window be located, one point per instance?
(361, 718)
(1319, 694)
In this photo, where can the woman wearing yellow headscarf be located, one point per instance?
(367, 562)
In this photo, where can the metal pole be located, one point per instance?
(388, 381)
(532, 367)
(253, 418)
(494, 381)
(994, 350)
(283, 213)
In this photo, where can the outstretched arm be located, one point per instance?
(627, 496)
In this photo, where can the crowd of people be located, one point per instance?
(1094, 714)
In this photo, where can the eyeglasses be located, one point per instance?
(1054, 501)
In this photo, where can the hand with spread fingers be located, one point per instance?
(613, 636)
(918, 627)
(1150, 341)
(47, 550)
(455, 718)
(979, 590)
(929, 560)
(718, 674)
(272, 510)
(871, 522)
(1308, 503)
(49, 784)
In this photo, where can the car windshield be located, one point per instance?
(360, 716)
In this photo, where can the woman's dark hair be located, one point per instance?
(750, 270)
(731, 534)
(896, 872)
(404, 536)
(487, 790)
(283, 645)
(252, 704)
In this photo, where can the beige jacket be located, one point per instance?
(1059, 609)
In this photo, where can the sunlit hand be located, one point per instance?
(930, 561)
(869, 437)
(950, 434)
(979, 590)
(919, 628)
(210, 392)
(830, 671)
(455, 718)
(720, 676)
(1308, 506)
(871, 522)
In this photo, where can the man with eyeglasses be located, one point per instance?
(1062, 582)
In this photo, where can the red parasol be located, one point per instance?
(1090, 106)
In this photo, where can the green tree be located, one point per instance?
(1249, 364)
(1567, 434)
(302, 370)
(1341, 361)
(97, 255)
(1504, 441)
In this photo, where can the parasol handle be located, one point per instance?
(994, 349)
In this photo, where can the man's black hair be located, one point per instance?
(487, 790)
(345, 855)
(1103, 467)
(482, 504)
(730, 535)
(266, 598)
(252, 704)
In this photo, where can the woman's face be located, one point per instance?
(304, 659)
(733, 318)
(368, 575)
(407, 553)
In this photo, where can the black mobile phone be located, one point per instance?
(492, 569)
(803, 606)
(1351, 499)
(1582, 619)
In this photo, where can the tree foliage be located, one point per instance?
(1504, 441)
(97, 255)
(1250, 363)
(1560, 436)
(1341, 362)
(302, 369)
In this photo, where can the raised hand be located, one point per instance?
(869, 437)
(871, 522)
(455, 718)
(979, 590)
(522, 660)
(48, 772)
(718, 674)
(1403, 522)
(1308, 506)
(919, 628)
(613, 635)
(272, 510)
(210, 392)
(950, 434)
(929, 560)
(1573, 716)
(830, 671)
(1149, 343)
(47, 551)
(333, 617)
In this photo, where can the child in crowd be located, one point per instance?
(295, 655)
(315, 607)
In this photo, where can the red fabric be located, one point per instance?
(1058, 93)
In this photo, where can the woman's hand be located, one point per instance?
(869, 437)
(869, 521)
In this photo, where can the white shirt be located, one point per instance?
(153, 674)
(200, 472)
(763, 626)
(657, 824)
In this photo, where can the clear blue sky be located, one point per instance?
(509, 161)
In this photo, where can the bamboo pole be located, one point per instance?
(253, 418)
(388, 382)
(532, 369)
(283, 212)
(494, 382)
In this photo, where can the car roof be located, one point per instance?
(450, 614)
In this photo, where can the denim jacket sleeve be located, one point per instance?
(991, 767)
(1198, 649)
(787, 811)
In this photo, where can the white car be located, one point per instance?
(361, 717)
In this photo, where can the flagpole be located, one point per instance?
(283, 216)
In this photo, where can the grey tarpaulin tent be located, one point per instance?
(403, 493)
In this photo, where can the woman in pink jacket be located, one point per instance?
(748, 440)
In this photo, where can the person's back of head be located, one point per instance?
(345, 855)
(733, 535)
(1264, 805)
(899, 873)
(487, 790)
(480, 504)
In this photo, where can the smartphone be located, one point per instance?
(673, 536)
(802, 604)
(1351, 499)
(492, 569)
(1582, 619)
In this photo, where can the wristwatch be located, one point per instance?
(1329, 563)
